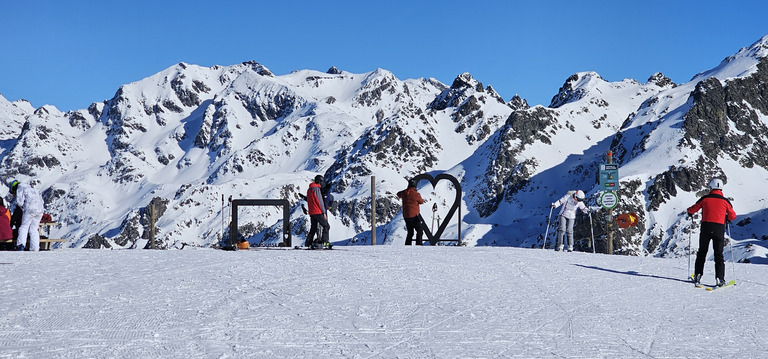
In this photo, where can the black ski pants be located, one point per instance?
(714, 232)
(412, 224)
(317, 220)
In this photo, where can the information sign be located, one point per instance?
(609, 200)
(609, 177)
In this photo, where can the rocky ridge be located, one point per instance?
(186, 139)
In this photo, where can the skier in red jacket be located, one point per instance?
(318, 214)
(716, 210)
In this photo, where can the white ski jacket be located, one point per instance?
(570, 205)
(29, 199)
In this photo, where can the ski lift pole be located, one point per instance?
(546, 232)
(592, 230)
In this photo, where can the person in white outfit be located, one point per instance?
(32, 206)
(570, 202)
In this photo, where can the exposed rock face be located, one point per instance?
(688, 178)
(660, 80)
(463, 86)
(518, 103)
(506, 174)
(725, 120)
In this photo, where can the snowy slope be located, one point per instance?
(373, 302)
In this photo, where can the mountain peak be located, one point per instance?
(259, 68)
(466, 80)
(660, 80)
(740, 64)
(518, 103)
(574, 88)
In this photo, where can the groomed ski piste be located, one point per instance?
(380, 301)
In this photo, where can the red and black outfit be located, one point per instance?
(317, 214)
(411, 201)
(5, 224)
(715, 209)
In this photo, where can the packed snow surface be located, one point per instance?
(373, 302)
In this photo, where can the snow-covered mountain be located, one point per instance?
(188, 138)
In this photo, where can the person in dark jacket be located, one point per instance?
(318, 214)
(328, 199)
(411, 201)
(716, 210)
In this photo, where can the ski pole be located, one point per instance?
(730, 246)
(546, 233)
(592, 230)
(222, 218)
(690, 234)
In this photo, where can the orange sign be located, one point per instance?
(626, 220)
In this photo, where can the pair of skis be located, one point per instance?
(730, 283)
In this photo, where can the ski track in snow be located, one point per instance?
(372, 302)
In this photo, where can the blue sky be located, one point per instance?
(72, 53)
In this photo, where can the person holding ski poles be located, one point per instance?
(318, 215)
(570, 203)
(715, 211)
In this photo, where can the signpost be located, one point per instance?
(609, 182)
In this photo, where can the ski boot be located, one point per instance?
(720, 282)
(696, 280)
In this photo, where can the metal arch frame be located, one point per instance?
(436, 237)
(261, 202)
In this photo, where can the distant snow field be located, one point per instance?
(373, 302)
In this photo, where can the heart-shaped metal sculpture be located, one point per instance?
(434, 238)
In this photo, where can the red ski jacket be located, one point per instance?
(714, 208)
(5, 224)
(315, 199)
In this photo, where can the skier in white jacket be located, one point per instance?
(570, 203)
(32, 206)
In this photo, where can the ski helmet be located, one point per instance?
(579, 195)
(13, 185)
(716, 184)
(319, 179)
